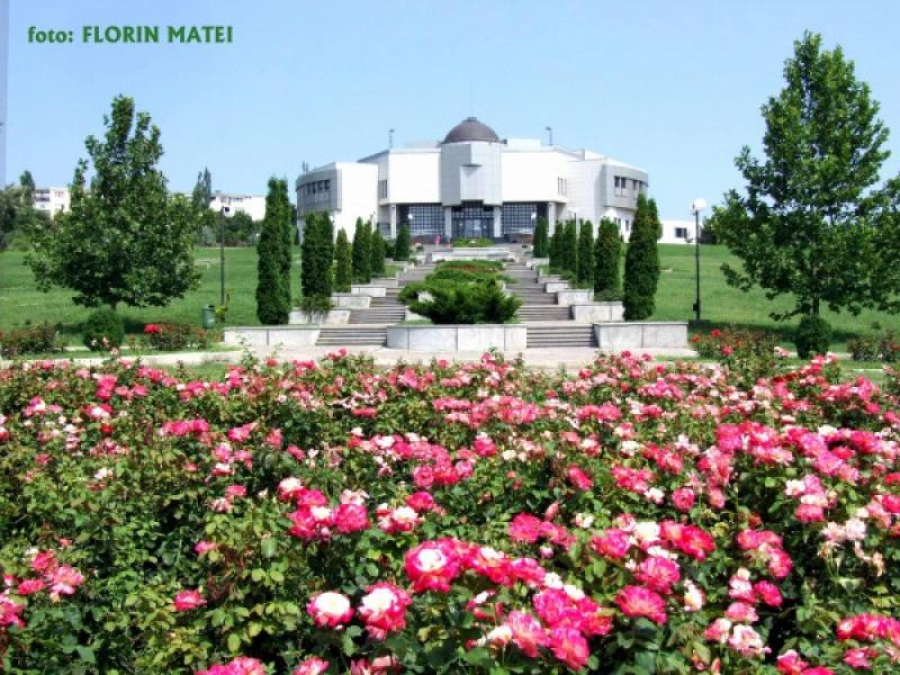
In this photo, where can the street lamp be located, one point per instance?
(222, 213)
(550, 131)
(698, 205)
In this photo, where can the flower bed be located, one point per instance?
(309, 518)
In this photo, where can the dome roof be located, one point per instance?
(470, 129)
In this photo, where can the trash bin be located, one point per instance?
(208, 316)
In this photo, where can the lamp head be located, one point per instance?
(698, 205)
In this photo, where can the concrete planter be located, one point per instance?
(556, 286)
(457, 338)
(597, 312)
(574, 296)
(352, 300)
(472, 254)
(271, 336)
(642, 335)
(334, 317)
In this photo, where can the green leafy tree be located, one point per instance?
(607, 254)
(402, 244)
(585, 276)
(207, 227)
(541, 238)
(343, 263)
(317, 254)
(570, 248)
(554, 248)
(641, 263)
(814, 223)
(126, 239)
(273, 289)
(18, 216)
(241, 229)
(379, 253)
(362, 255)
(26, 182)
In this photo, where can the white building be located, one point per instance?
(678, 232)
(52, 200)
(472, 184)
(252, 205)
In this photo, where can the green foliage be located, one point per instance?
(176, 336)
(343, 263)
(241, 230)
(813, 223)
(470, 302)
(748, 354)
(607, 254)
(402, 243)
(273, 296)
(317, 255)
(876, 346)
(541, 238)
(555, 249)
(477, 242)
(126, 239)
(641, 263)
(103, 330)
(40, 339)
(379, 253)
(813, 336)
(362, 253)
(585, 273)
(18, 217)
(316, 304)
(570, 248)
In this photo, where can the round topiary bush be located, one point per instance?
(103, 330)
(813, 337)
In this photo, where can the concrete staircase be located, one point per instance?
(561, 336)
(344, 336)
(543, 312)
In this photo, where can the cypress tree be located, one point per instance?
(541, 238)
(570, 248)
(379, 253)
(585, 275)
(607, 252)
(554, 249)
(273, 294)
(361, 253)
(343, 263)
(288, 232)
(641, 263)
(317, 252)
(402, 245)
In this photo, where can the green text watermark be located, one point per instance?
(134, 35)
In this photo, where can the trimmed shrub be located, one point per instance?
(813, 336)
(103, 330)
(317, 253)
(875, 347)
(570, 248)
(541, 238)
(40, 339)
(585, 274)
(362, 253)
(607, 254)
(401, 245)
(641, 265)
(478, 242)
(273, 267)
(378, 251)
(175, 336)
(343, 263)
(554, 249)
(466, 303)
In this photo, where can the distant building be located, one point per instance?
(52, 200)
(677, 232)
(253, 205)
(472, 184)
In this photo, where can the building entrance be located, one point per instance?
(471, 221)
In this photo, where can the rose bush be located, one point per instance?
(330, 518)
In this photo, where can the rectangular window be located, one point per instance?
(681, 233)
(382, 189)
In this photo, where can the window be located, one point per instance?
(423, 219)
(517, 217)
(562, 186)
(382, 189)
(681, 233)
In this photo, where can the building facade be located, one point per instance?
(472, 184)
(52, 200)
(253, 205)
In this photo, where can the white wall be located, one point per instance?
(532, 176)
(673, 234)
(52, 200)
(359, 195)
(252, 205)
(413, 177)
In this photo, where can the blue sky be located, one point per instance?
(671, 86)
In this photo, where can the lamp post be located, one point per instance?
(222, 212)
(698, 205)
(550, 131)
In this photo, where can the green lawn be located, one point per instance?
(21, 302)
(723, 305)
